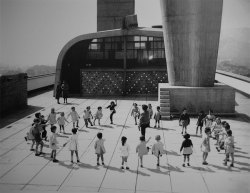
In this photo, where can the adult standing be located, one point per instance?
(65, 91)
(144, 120)
(58, 92)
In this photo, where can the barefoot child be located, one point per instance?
(158, 149)
(205, 145)
(52, 117)
(87, 116)
(135, 112)
(157, 117)
(61, 122)
(142, 149)
(74, 116)
(187, 147)
(53, 143)
(98, 115)
(99, 148)
(73, 145)
(124, 152)
(229, 148)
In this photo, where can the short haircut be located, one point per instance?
(74, 130)
(186, 136)
(99, 135)
(53, 128)
(229, 132)
(157, 137)
(37, 115)
(144, 107)
(227, 126)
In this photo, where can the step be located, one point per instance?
(164, 97)
(165, 117)
(164, 93)
(164, 101)
(164, 105)
(165, 109)
(165, 114)
(164, 89)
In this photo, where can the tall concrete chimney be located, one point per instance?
(110, 13)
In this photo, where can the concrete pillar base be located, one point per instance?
(220, 98)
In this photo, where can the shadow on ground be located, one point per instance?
(11, 117)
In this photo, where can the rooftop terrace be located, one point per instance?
(22, 171)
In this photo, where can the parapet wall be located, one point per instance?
(13, 92)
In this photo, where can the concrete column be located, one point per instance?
(191, 37)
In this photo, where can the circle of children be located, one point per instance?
(214, 128)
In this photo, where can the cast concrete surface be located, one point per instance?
(22, 171)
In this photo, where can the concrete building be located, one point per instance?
(126, 60)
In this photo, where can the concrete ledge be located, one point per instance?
(220, 98)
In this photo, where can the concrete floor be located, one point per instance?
(22, 171)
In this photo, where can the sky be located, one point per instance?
(32, 32)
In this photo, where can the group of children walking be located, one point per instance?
(213, 127)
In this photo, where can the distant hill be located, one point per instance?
(31, 71)
(235, 46)
(40, 70)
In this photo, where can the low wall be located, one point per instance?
(41, 81)
(13, 92)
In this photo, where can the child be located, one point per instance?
(157, 117)
(99, 148)
(205, 145)
(158, 149)
(187, 146)
(209, 118)
(52, 117)
(200, 122)
(150, 110)
(217, 129)
(124, 152)
(30, 135)
(36, 132)
(73, 145)
(53, 143)
(144, 120)
(229, 148)
(135, 112)
(74, 116)
(98, 115)
(61, 122)
(112, 110)
(222, 136)
(87, 115)
(142, 149)
(184, 120)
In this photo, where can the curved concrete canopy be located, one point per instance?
(154, 32)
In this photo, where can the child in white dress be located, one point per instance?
(124, 148)
(157, 117)
(74, 116)
(53, 143)
(98, 115)
(61, 122)
(52, 117)
(229, 148)
(158, 149)
(73, 145)
(99, 148)
(205, 145)
(142, 148)
(87, 116)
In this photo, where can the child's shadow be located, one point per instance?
(229, 169)
(172, 168)
(114, 169)
(84, 165)
(83, 130)
(96, 128)
(124, 126)
(59, 135)
(69, 166)
(67, 133)
(172, 153)
(192, 135)
(164, 129)
(107, 126)
(201, 169)
(158, 170)
(138, 172)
